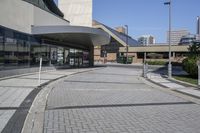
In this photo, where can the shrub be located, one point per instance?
(190, 66)
(156, 62)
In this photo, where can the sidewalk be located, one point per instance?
(173, 84)
(18, 93)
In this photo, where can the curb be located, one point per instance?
(184, 83)
(34, 122)
(26, 74)
(186, 96)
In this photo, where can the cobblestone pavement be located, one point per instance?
(16, 94)
(115, 100)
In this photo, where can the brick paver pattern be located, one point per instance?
(115, 100)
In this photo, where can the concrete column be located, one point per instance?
(91, 56)
(174, 55)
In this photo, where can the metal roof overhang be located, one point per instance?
(74, 35)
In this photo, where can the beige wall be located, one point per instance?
(78, 12)
(16, 14)
(111, 57)
(20, 15)
(43, 18)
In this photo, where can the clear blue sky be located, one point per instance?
(147, 16)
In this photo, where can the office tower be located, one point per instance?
(176, 36)
(146, 40)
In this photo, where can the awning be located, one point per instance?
(84, 36)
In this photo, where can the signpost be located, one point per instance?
(198, 64)
(40, 68)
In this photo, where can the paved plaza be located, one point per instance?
(17, 94)
(117, 100)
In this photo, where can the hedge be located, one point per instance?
(190, 66)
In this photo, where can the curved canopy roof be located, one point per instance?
(83, 36)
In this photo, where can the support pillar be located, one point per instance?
(91, 56)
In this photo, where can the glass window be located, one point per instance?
(34, 51)
(85, 58)
(54, 55)
(60, 58)
(23, 52)
(45, 54)
(66, 57)
(1, 48)
(11, 52)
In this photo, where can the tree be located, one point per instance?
(195, 49)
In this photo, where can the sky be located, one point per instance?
(145, 17)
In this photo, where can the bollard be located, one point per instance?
(147, 67)
(145, 70)
(198, 64)
(198, 75)
(144, 67)
(40, 68)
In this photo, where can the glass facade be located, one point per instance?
(1, 48)
(78, 58)
(23, 50)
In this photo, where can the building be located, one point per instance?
(34, 29)
(78, 12)
(110, 52)
(157, 52)
(176, 36)
(188, 39)
(121, 29)
(146, 40)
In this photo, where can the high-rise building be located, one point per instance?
(78, 12)
(146, 40)
(176, 36)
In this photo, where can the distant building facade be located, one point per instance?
(146, 40)
(110, 52)
(188, 39)
(121, 29)
(176, 36)
(78, 12)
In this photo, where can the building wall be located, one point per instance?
(78, 12)
(20, 15)
(17, 15)
(176, 36)
(43, 18)
(146, 40)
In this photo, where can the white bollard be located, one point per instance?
(198, 64)
(145, 70)
(198, 75)
(40, 68)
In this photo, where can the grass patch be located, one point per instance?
(187, 78)
(156, 62)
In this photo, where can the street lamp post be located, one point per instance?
(126, 44)
(169, 65)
